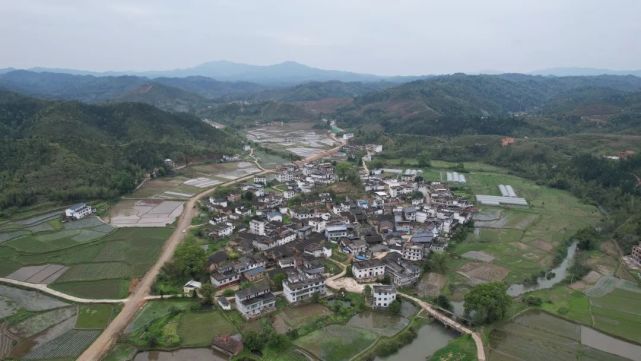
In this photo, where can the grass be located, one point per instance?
(121, 352)
(100, 268)
(618, 313)
(156, 309)
(459, 349)
(336, 342)
(197, 329)
(94, 316)
(97, 289)
(524, 240)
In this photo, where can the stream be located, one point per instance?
(559, 274)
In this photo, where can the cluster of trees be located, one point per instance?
(189, 263)
(487, 303)
(66, 151)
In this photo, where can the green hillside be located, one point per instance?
(68, 151)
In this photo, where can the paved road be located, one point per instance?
(137, 299)
(141, 294)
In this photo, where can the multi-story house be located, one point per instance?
(368, 271)
(255, 301)
(300, 286)
(383, 295)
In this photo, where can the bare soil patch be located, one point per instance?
(543, 245)
(478, 256)
(477, 272)
(431, 284)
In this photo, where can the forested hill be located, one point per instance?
(67, 151)
(498, 104)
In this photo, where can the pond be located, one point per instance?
(558, 275)
(431, 337)
(187, 354)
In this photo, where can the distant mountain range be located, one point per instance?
(286, 73)
(569, 71)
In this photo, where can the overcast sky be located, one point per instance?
(388, 37)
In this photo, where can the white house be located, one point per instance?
(254, 301)
(383, 295)
(371, 270)
(260, 179)
(190, 287)
(300, 286)
(257, 226)
(78, 211)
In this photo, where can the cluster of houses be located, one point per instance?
(386, 234)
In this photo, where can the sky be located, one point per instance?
(386, 37)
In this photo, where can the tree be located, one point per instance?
(437, 262)
(424, 160)
(443, 302)
(487, 303)
(207, 292)
(367, 292)
(395, 307)
(278, 280)
(190, 259)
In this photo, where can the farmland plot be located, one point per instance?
(69, 345)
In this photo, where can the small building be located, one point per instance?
(190, 287)
(260, 179)
(383, 295)
(78, 211)
(223, 303)
(257, 226)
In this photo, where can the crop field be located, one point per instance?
(69, 345)
(522, 240)
(42, 321)
(145, 213)
(297, 138)
(612, 306)
(94, 316)
(199, 328)
(539, 336)
(293, 317)
(336, 342)
(98, 289)
(29, 300)
(104, 266)
(155, 310)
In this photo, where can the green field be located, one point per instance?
(96, 316)
(459, 349)
(198, 329)
(540, 336)
(521, 239)
(101, 260)
(154, 310)
(336, 342)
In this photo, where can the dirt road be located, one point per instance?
(140, 295)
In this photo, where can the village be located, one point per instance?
(286, 223)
